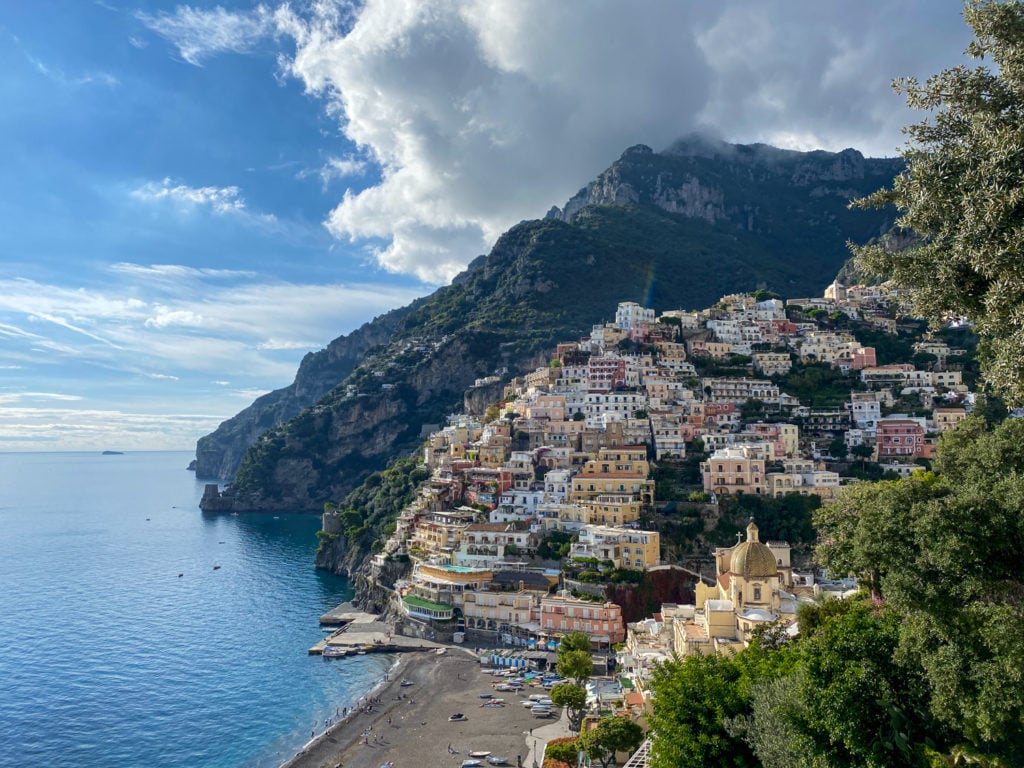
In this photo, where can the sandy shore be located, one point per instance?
(410, 725)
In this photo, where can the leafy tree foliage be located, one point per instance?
(962, 193)
(575, 665)
(611, 735)
(693, 699)
(944, 551)
(573, 698)
(564, 750)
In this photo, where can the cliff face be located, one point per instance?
(672, 230)
(219, 453)
(752, 188)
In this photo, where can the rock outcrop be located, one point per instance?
(219, 454)
(670, 230)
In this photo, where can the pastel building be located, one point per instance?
(561, 614)
(902, 439)
(624, 547)
(734, 470)
(749, 591)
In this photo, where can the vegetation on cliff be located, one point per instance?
(550, 280)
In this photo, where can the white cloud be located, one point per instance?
(165, 318)
(220, 200)
(479, 114)
(14, 397)
(340, 168)
(170, 319)
(198, 34)
(42, 428)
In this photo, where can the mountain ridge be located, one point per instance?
(775, 221)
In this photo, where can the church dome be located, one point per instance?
(751, 558)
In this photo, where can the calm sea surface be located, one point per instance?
(122, 645)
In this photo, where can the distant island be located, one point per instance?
(113, 453)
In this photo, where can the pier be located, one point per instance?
(362, 632)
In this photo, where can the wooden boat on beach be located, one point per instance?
(479, 755)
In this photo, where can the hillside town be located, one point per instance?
(531, 511)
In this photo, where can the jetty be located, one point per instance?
(360, 632)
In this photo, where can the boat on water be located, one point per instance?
(334, 652)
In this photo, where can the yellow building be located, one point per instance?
(948, 418)
(749, 591)
(615, 471)
(448, 584)
(611, 509)
(625, 547)
(487, 610)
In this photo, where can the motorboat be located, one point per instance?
(497, 760)
(406, 683)
(334, 652)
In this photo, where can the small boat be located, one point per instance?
(440, 651)
(406, 683)
(479, 755)
(334, 652)
(486, 695)
(471, 763)
(497, 760)
(456, 717)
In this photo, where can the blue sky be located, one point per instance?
(195, 196)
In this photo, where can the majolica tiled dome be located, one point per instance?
(751, 558)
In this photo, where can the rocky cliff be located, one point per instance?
(219, 454)
(670, 230)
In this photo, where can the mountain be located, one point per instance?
(676, 229)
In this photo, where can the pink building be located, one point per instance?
(605, 373)
(561, 614)
(902, 439)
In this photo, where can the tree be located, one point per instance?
(573, 698)
(862, 452)
(944, 552)
(693, 698)
(565, 750)
(575, 641)
(575, 665)
(961, 194)
(611, 735)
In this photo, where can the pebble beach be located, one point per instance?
(408, 726)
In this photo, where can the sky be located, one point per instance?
(194, 196)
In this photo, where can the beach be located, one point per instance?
(409, 724)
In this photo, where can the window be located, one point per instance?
(757, 593)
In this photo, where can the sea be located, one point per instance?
(137, 631)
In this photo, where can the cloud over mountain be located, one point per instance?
(479, 114)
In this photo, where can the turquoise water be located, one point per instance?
(122, 645)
